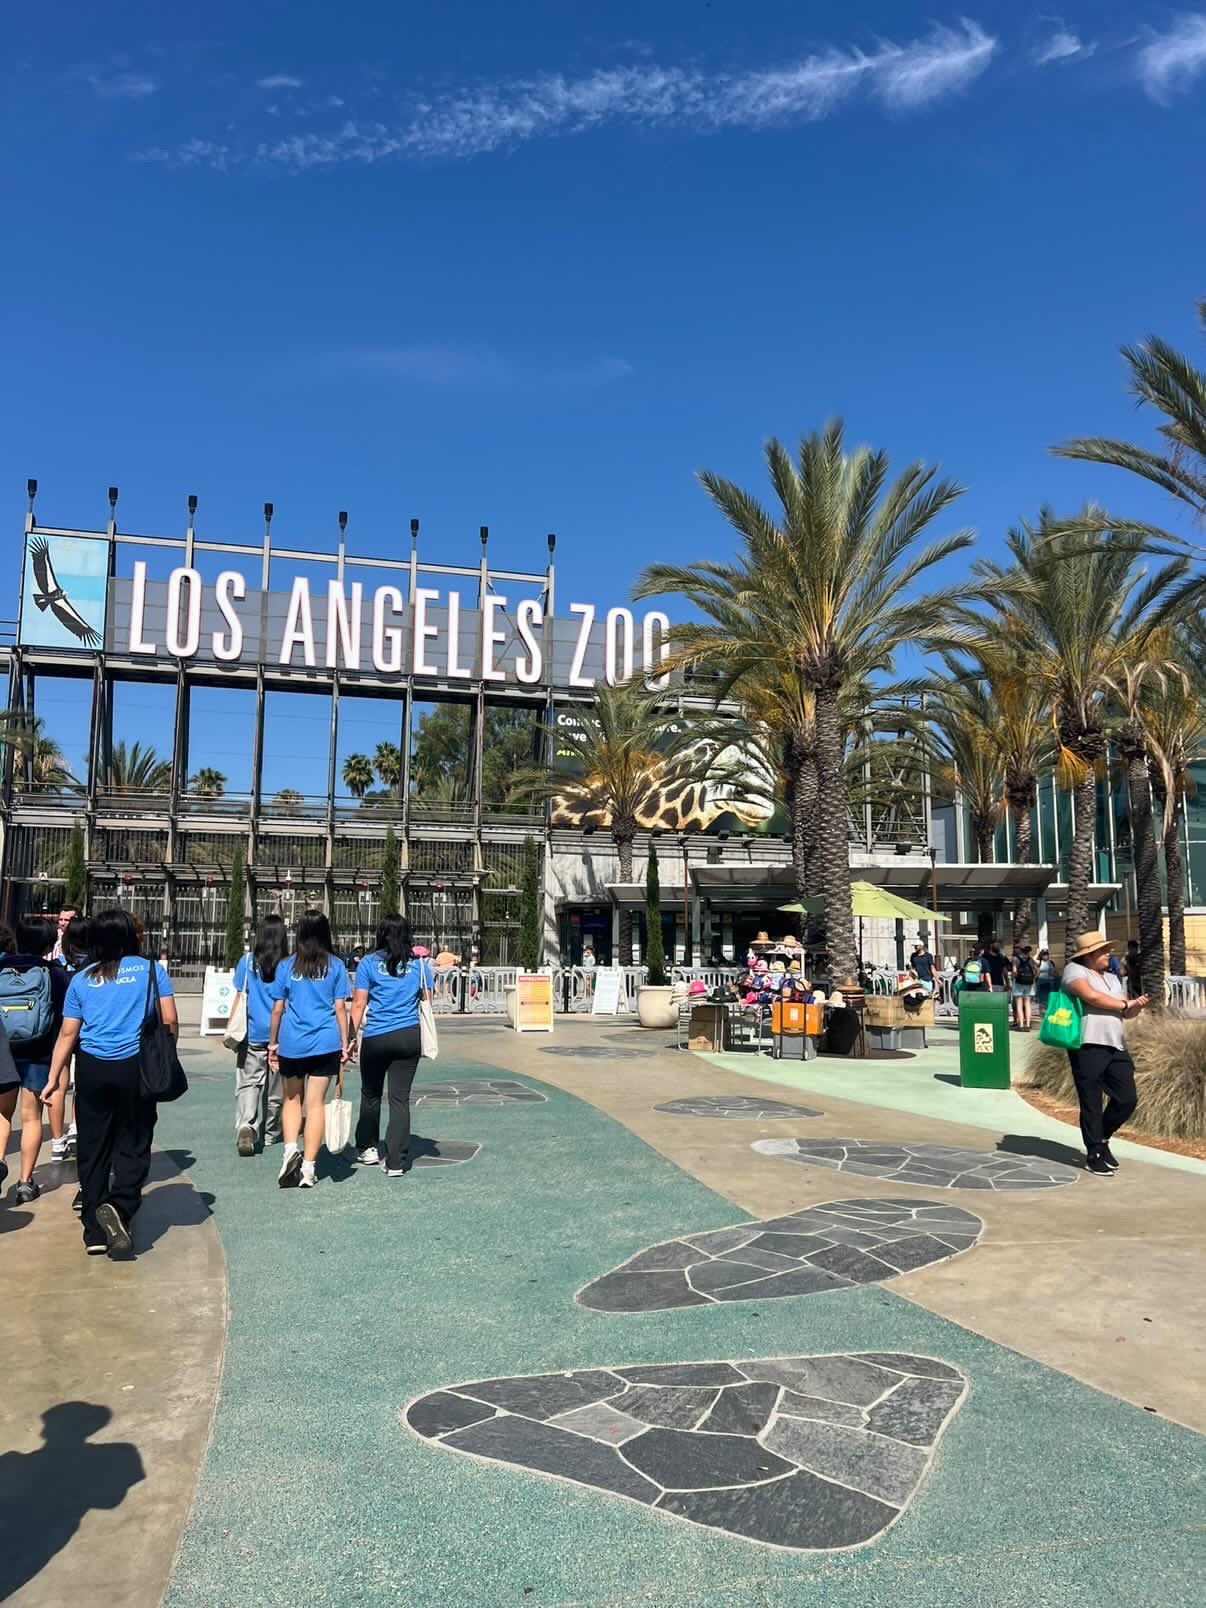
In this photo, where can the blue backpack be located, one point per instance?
(973, 973)
(26, 1005)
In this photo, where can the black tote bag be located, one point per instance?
(160, 1073)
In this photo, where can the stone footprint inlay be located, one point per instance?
(441, 1152)
(476, 1092)
(735, 1107)
(807, 1453)
(935, 1166)
(827, 1247)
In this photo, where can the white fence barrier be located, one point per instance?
(1187, 993)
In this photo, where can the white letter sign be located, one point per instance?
(418, 664)
(138, 604)
(529, 617)
(343, 622)
(492, 637)
(387, 639)
(183, 645)
(299, 625)
(229, 648)
(576, 678)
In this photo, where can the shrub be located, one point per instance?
(1169, 1052)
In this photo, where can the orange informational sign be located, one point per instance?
(534, 1002)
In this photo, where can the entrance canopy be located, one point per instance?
(959, 887)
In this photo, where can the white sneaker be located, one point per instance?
(290, 1167)
(307, 1179)
(395, 1172)
(58, 1150)
(369, 1157)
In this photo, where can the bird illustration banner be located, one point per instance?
(63, 591)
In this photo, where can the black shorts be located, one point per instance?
(310, 1066)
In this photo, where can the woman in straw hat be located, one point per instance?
(1102, 1064)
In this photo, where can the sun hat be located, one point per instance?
(698, 986)
(1090, 943)
(760, 938)
(791, 942)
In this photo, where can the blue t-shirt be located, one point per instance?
(308, 1026)
(393, 1002)
(259, 998)
(112, 1010)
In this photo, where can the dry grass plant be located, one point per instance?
(1169, 1051)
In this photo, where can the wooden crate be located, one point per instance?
(888, 1010)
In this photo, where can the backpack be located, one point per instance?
(973, 973)
(26, 1005)
(1023, 970)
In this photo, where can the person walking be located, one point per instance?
(1024, 975)
(258, 1090)
(1101, 1065)
(996, 966)
(103, 1014)
(36, 1020)
(307, 1042)
(1046, 975)
(389, 984)
(72, 950)
(921, 964)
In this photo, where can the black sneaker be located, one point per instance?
(77, 1204)
(117, 1236)
(3, 1172)
(26, 1191)
(1110, 1159)
(245, 1143)
(1095, 1162)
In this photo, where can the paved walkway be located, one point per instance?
(960, 1436)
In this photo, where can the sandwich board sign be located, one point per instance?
(609, 981)
(534, 1002)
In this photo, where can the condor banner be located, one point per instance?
(63, 591)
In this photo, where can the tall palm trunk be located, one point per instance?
(833, 843)
(801, 770)
(1080, 860)
(1174, 870)
(1023, 839)
(984, 832)
(622, 835)
(1147, 865)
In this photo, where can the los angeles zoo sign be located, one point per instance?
(336, 625)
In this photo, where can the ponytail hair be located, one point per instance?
(312, 952)
(394, 939)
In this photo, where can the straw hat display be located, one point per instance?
(759, 938)
(792, 942)
(1090, 943)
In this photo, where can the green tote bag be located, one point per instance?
(1061, 1026)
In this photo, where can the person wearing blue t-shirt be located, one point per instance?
(258, 1090)
(307, 1041)
(103, 1014)
(389, 985)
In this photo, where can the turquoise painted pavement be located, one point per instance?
(348, 1302)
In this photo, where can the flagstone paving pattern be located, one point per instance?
(442, 1152)
(806, 1453)
(735, 1106)
(825, 1247)
(476, 1092)
(935, 1166)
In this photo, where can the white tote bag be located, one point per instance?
(338, 1120)
(235, 1035)
(430, 1044)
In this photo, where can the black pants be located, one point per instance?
(1098, 1069)
(395, 1055)
(116, 1125)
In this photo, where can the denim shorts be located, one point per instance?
(35, 1075)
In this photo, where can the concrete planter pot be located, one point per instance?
(655, 1007)
(509, 997)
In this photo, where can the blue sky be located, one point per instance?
(531, 266)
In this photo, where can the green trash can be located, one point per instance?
(983, 1039)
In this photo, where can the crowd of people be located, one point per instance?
(76, 998)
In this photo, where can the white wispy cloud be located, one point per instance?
(452, 367)
(1062, 46)
(468, 123)
(1170, 62)
(122, 86)
(279, 81)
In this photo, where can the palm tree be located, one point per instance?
(1082, 617)
(358, 774)
(968, 760)
(387, 762)
(41, 758)
(208, 783)
(622, 747)
(136, 770)
(821, 589)
(1175, 722)
(1166, 380)
(287, 802)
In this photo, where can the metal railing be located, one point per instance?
(1187, 993)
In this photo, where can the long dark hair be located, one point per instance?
(112, 936)
(35, 935)
(269, 948)
(314, 947)
(75, 943)
(394, 940)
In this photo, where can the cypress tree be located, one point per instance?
(75, 891)
(236, 903)
(391, 894)
(529, 907)
(655, 954)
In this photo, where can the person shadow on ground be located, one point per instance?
(45, 1494)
